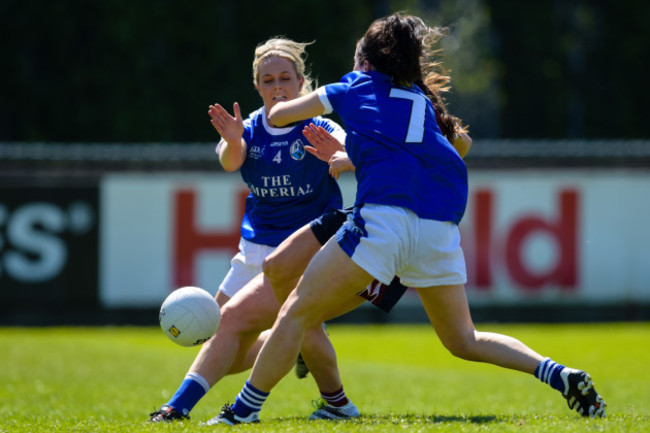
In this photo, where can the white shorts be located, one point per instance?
(389, 240)
(244, 266)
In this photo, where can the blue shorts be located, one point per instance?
(382, 296)
(326, 226)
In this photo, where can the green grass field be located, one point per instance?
(108, 379)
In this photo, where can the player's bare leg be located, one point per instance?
(221, 298)
(317, 349)
(249, 312)
(242, 318)
(255, 309)
(448, 311)
(235, 345)
(330, 272)
(245, 359)
(284, 266)
(252, 310)
(318, 352)
(240, 336)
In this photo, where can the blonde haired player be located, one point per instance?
(289, 188)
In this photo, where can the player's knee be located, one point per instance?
(228, 318)
(235, 320)
(273, 268)
(463, 347)
(281, 275)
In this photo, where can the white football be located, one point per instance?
(189, 316)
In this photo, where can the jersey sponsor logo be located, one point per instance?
(283, 191)
(297, 150)
(279, 186)
(279, 143)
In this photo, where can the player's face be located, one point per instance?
(278, 81)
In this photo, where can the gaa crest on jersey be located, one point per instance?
(297, 150)
(256, 152)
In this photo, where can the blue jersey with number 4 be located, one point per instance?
(289, 186)
(393, 140)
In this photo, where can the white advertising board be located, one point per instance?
(530, 237)
(557, 236)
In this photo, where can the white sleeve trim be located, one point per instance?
(216, 149)
(322, 95)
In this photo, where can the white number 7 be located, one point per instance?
(415, 132)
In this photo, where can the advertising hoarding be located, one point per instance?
(530, 237)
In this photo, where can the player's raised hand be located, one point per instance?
(230, 128)
(323, 144)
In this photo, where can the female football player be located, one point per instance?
(289, 188)
(411, 195)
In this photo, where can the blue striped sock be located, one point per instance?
(192, 389)
(249, 400)
(548, 371)
(336, 398)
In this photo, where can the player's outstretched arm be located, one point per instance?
(231, 149)
(302, 108)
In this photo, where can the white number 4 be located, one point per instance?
(278, 157)
(415, 132)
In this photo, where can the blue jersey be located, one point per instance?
(289, 186)
(393, 140)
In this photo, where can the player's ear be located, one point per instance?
(301, 82)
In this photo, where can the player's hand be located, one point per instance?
(323, 144)
(230, 128)
(339, 162)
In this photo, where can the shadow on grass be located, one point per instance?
(430, 419)
(397, 419)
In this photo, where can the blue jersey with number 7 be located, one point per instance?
(401, 157)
